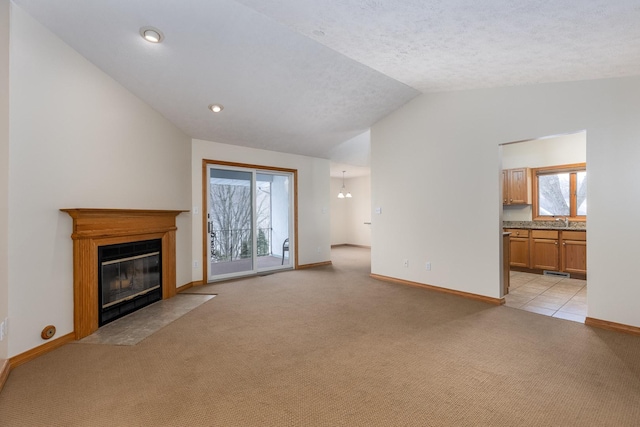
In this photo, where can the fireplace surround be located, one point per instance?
(95, 228)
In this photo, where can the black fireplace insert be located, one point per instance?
(130, 277)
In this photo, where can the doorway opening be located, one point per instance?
(544, 208)
(250, 220)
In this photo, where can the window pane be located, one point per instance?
(581, 195)
(553, 194)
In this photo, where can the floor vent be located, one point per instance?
(556, 273)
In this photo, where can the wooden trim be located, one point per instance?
(5, 368)
(545, 170)
(29, 355)
(468, 295)
(571, 167)
(102, 223)
(187, 286)
(204, 209)
(99, 227)
(102, 212)
(295, 218)
(316, 264)
(205, 163)
(248, 166)
(612, 326)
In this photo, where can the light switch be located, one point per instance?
(378, 210)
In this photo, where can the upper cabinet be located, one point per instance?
(516, 188)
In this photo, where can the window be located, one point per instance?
(560, 191)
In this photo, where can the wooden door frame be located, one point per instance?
(205, 209)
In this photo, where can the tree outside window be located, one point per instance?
(232, 219)
(560, 191)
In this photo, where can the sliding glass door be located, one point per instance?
(249, 225)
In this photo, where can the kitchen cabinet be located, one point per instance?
(574, 252)
(516, 186)
(553, 250)
(545, 254)
(519, 247)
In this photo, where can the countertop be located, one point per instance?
(546, 225)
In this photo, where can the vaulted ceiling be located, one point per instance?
(311, 76)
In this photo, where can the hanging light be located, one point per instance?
(342, 195)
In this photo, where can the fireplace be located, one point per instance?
(129, 278)
(120, 239)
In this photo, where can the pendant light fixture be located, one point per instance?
(343, 190)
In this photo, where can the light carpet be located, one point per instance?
(332, 347)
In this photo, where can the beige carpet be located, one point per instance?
(332, 347)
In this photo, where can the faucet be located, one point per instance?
(565, 220)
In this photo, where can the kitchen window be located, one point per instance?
(560, 191)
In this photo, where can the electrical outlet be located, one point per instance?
(428, 266)
(4, 328)
(1, 331)
(196, 210)
(318, 249)
(405, 263)
(195, 264)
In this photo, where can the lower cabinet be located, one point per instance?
(519, 247)
(553, 250)
(544, 250)
(574, 252)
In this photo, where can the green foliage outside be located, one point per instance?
(263, 243)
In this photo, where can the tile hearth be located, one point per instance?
(137, 326)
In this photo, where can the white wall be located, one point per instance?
(78, 139)
(553, 151)
(359, 233)
(339, 214)
(313, 189)
(437, 159)
(348, 216)
(4, 168)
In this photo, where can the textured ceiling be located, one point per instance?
(443, 45)
(311, 76)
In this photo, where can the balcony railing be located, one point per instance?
(230, 245)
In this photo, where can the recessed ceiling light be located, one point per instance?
(216, 108)
(151, 34)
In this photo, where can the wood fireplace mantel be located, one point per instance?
(99, 227)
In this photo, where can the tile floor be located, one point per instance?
(133, 328)
(548, 295)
